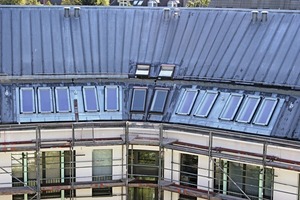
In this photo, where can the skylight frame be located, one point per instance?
(228, 106)
(154, 100)
(166, 71)
(133, 100)
(106, 96)
(86, 99)
(142, 70)
(244, 109)
(40, 100)
(261, 109)
(33, 110)
(205, 101)
(185, 102)
(57, 100)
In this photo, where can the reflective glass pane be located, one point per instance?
(159, 100)
(265, 111)
(231, 106)
(45, 100)
(27, 100)
(111, 99)
(62, 100)
(187, 102)
(206, 103)
(138, 100)
(90, 99)
(248, 109)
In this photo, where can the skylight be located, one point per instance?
(45, 100)
(138, 100)
(142, 70)
(187, 102)
(265, 111)
(248, 109)
(90, 99)
(62, 99)
(166, 70)
(159, 101)
(206, 103)
(27, 100)
(111, 98)
(231, 106)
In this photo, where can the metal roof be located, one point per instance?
(207, 44)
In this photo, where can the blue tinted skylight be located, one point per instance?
(62, 99)
(265, 111)
(45, 100)
(159, 101)
(206, 103)
(248, 109)
(111, 98)
(27, 100)
(231, 106)
(90, 99)
(187, 102)
(138, 100)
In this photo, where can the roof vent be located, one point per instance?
(254, 16)
(264, 16)
(152, 3)
(67, 12)
(76, 12)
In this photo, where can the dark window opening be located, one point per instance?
(189, 170)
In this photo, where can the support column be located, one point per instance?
(160, 157)
(37, 162)
(126, 153)
(25, 171)
(62, 173)
(225, 176)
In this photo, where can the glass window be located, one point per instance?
(111, 98)
(27, 100)
(159, 101)
(45, 100)
(231, 106)
(206, 103)
(142, 70)
(188, 170)
(90, 99)
(166, 70)
(62, 99)
(187, 102)
(265, 111)
(248, 109)
(138, 100)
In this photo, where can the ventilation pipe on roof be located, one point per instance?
(176, 13)
(264, 16)
(166, 13)
(76, 12)
(254, 16)
(153, 3)
(67, 12)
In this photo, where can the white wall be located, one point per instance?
(285, 177)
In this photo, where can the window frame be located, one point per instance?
(154, 98)
(133, 99)
(40, 102)
(106, 98)
(142, 70)
(261, 108)
(245, 105)
(226, 106)
(57, 99)
(33, 100)
(85, 99)
(183, 101)
(203, 100)
(166, 71)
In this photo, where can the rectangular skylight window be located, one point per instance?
(248, 109)
(265, 111)
(159, 101)
(206, 103)
(27, 100)
(231, 107)
(90, 99)
(111, 98)
(138, 100)
(62, 99)
(187, 102)
(142, 70)
(166, 70)
(45, 100)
